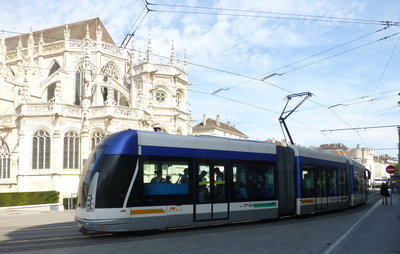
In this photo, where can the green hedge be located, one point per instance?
(28, 198)
(65, 203)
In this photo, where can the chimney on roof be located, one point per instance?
(204, 119)
(218, 121)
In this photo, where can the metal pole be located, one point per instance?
(398, 154)
(398, 167)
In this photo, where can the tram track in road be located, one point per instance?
(65, 235)
(46, 243)
(38, 238)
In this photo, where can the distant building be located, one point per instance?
(65, 88)
(277, 142)
(215, 127)
(376, 164)
(337, 148)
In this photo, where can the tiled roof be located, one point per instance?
(337, 146)
(77, 32)
(211, 123)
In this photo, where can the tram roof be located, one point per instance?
(156, 143)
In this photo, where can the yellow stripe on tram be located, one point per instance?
(147, 211)
(306, 201)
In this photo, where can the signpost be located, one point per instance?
(390, 169)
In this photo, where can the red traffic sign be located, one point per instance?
(390, 169)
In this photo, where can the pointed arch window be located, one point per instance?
(41, 150)
(4, 160)
(54, 68)
(119, 98)
(71, 150)
(96, 138)
(178, 99)
(78, 85)
(109, 70)
(51, 91)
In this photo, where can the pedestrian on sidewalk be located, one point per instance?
(384, 193)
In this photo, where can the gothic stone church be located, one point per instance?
(65, 88)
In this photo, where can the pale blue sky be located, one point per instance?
(347, 60)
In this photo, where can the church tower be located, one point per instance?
(65, 88)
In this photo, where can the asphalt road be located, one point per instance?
(56, 232)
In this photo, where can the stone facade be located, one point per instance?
(377, 164)
(65, 88)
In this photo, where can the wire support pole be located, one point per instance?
(398, 154)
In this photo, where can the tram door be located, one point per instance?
(342, 188)
(211, 202)
(321, 201)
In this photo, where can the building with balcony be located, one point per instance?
(65, 88)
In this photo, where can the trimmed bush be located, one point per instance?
(28, 198)
(65, 203)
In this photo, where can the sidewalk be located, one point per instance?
(379, 232)
(41, 207)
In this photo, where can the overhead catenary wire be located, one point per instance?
(260, 108)
(132, 31)
(267, 14)
(274, 72)
(226, 71)
(348, 102)
(252, 78)
(241, 75)
(330, 49)
(383, 73)
(343, 52)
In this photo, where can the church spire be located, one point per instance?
(87, 37)
(31, 45)
(173, 56)
(3, 53)
(41, 40)
(149, 50)
(132, 56)
(67, 33)
(24, 91)
(19, 46)
(40, 44)
(31, 42)
(99, 33)
(185, 65)
(19, 55)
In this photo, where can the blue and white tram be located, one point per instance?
(322, 181)
(138, 180)
(358, 183)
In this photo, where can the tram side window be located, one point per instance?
(308, 187)
(253, 182)
(165, 177)
(357, 183)
(332, 186)
(342, 191)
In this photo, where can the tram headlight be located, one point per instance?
(90, 202)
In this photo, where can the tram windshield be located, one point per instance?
(115, 173)
(87, 174)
